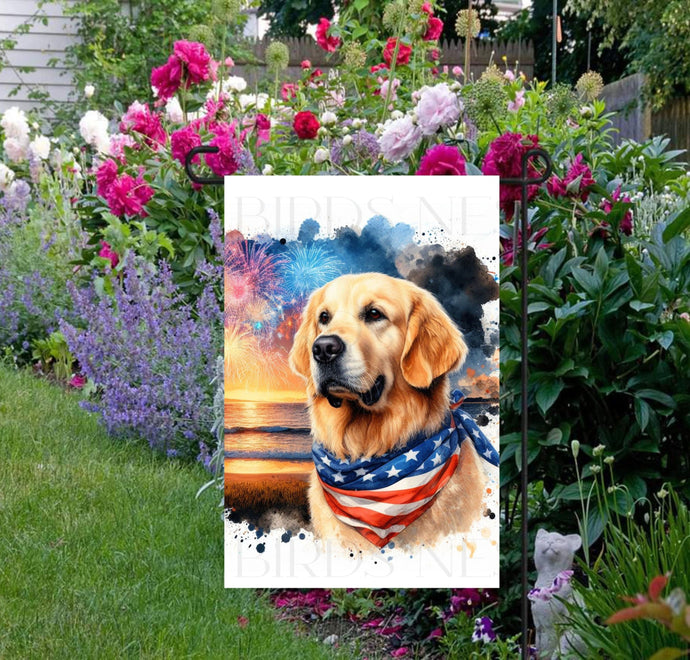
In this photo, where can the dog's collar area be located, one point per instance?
(380, 496)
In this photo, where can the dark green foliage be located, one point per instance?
(291, 19)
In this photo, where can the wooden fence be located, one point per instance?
(452, 53)
(637, 122)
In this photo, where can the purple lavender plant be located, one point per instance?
(151, 354)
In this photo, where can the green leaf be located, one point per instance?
(659, 397)
(679, 224)
(642, 410)
(668, 653)
(640, 306)
(547, 393)
(553, 437)
(601, 264)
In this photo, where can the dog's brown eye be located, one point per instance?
(373, 314)
(324, 318)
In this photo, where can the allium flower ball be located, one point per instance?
(93, 127)
(437, 107)
(353, 56)
(201, 33)
(89, 91)
(395, 15)
(329, 44)
(399, 139)
(40, 147)
(277, 57)
(6, 177)
(182, 142)
(589, 85)
(467, 23)
(107, 252)
(442, 160)
(306, 125)
(434, 29)
(504, 159)
(404, 52)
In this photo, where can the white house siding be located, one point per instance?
(35, 49)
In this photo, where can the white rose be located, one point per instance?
(6, 177)
(88, 91)
(321, 155)
(93, 127)
(40, 147)
(267, 170)
(234, 84)
(328, 118)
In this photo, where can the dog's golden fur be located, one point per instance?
(414, 345)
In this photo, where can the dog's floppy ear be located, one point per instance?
(433, 344)
(300, 353)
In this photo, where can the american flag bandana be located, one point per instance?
(382, 495)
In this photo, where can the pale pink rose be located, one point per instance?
(437, 107)
(457, 70)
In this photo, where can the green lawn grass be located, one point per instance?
(104, 550)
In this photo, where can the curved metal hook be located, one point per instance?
(525, 180)
(205, 149)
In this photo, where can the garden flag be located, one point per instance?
(361, 382)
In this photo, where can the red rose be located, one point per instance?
(306, 125)
(404, 51)
(434, 29)
(329, 44)
(442, 159)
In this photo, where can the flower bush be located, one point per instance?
(609, 309)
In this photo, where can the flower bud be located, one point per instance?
(267, 170)
(575, 448)
(321, 155)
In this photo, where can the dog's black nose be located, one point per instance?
(327, 348)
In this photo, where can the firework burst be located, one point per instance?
(308, 267)
(250, 271)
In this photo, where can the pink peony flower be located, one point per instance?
(288, 91)
(442, 160)
(427, 9)
(305, 64)
(434, 29)
(108, 253)
(504, 159)
(306, 125)
(399, 653)
(377, 67)
(105, 175)
(197, 61)
(385, 84)
(182, 142)
(518, 102)
(399, 139)
(509, 250)
(118, 142)
(404, 52)
(229, 62)
(437, 107)
(329, 44)
(78, 381)
(139, 119)
(127, 196)
(457, 70)
(167, 78)
(226, 161)
(576, 183)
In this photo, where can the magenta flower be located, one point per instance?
(626, 225)
(105, 175)
(108, 253)
(399, 653)
(434, 29)
(77, 381)
(504, 159)
(127, 196)
(576, 183)
(197, 61)
(227, 160)
(509, 251)
(329, 44)
(139, 119)
(442, 160)
(182, 142)
(167, 78)
(483, 630)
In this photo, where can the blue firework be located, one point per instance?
(308, 267)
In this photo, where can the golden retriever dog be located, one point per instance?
(376, 352)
